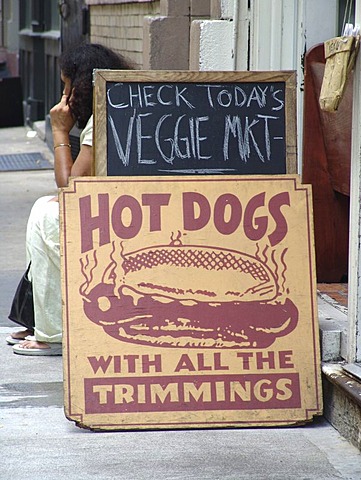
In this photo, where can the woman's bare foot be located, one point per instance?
(30, 344)
(18, 336)
(22, 334)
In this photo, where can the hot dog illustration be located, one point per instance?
(192, 296)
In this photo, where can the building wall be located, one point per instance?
(264, 35)
(39, 48)
(216, 34)
(120, 26)
(155, 34)
(9, 38)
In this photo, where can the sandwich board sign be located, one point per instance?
(161, 123)
(189, 302)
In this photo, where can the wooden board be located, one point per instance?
(181, 123)
(189, 302)
(326, 164)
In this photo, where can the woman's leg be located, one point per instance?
(43, 250)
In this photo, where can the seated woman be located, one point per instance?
(42, 238)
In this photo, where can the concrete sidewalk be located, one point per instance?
(38, 442)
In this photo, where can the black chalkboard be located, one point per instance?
(179, 123)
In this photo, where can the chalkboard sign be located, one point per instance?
(179, 123)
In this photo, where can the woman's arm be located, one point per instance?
(64, 167)
(83, 162)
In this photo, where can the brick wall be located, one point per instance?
(120, 26)
(155, 34)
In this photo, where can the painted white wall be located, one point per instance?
(219, 39)
(273, 45)
(354, 290)
(281, 31)
(271, 35)
(320, 19)
(215, 46)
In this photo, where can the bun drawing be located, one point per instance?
(189, 296)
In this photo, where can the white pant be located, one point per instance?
(43, 251)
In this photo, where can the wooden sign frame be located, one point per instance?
(102, 77)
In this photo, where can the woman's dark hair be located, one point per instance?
(78, 64)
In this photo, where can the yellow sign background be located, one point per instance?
(116, 381)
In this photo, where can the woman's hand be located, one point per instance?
(62, 122)
(61, 117)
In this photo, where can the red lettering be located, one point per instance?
(201, 363)
(227, 212)
(155, 201)
(218, 364)
(285, 358)
(135, 224)
(246, 357)
(185, 363)
(233, 203)
(89, 223)
(100, 363)
(151, 363)
(131, 359)
(281, 229)
(266, 357)
(190, 220)
(255, 227)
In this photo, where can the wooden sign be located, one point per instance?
(182, 123)
(189, 302)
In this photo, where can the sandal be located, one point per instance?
(51, 350)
